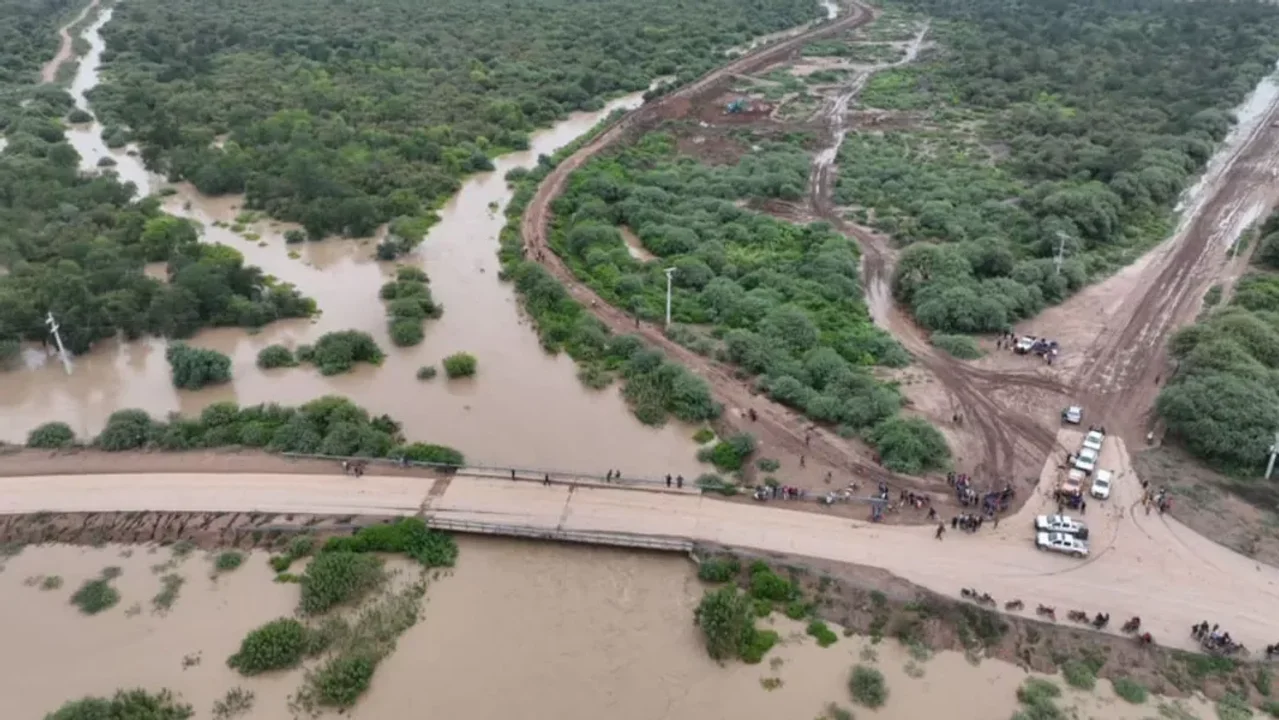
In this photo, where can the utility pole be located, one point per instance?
(670, 272)
(62, 350)
(1274, 451)
(1061, 250)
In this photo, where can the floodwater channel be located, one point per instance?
(517, 629)
(524, 408)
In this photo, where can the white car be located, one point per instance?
(1073, 415)
(1061, 524)
(1024, 344)
(1101, 484)
(1062, 543)
(1086, 460)
(1093, 440)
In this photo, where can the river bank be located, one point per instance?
(516, 629)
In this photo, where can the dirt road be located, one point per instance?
(49, 72)
(781, 432)
(1146, 565)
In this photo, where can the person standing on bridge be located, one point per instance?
(668, 479)
(941, 530)
(546, 480)
(679, 482)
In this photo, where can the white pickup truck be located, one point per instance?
(1086, 460)
(1093, 440)
(1101, 484)
(1062, 543)
(1061, 524)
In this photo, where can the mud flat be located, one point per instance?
(516, 630)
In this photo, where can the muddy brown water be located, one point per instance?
(518, 629)
(524, 408)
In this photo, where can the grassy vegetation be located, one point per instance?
(228, 561)
(125, 705)
(426, 372)
(338, 352)
(194, 368)
(867, 687)
(96, 595)
(236, 702)
(1017, 148)
(51, 582)
(299, 547)
(1130, 690)
(825, 637)
(276, 356)
(339, 578)
(1038, 701)
(718, 570)
(729, 455)
(170, 587)
(727, 620)
(408, 536)
(959, 346)
(1079, 675)
(278, 645)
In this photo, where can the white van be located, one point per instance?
(1086, 460)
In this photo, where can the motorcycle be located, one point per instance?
(1132, 625)
(1012, 605)
(1046, 611)
(1101, 621)
(1078, 616)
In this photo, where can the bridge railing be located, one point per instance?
(589, 537)
(520, 473)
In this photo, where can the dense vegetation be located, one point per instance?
(193, 368)
(727, 619)
(1223, 402)
(329, 425)
(408, 305)
(781, 301)
(125, 705)
(1077, 117)
(338, 352)
(342, 117)
(29, 37)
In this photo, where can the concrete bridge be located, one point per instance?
(1146, 565)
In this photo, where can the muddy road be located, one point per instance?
(66, 48)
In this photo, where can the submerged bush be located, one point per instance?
(718, 570)
(909, 445)
(94, 596)
(337, 352)
(410, 536)
(275, 356)
(959, 346)
(277, 645)
(194, 368)
(460, 365)
(426, 372)
(340, 681)
(51, 435)
(336, 578)
(866, 685)
(125, 705)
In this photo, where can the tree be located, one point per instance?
(125, 430)
(460, 365)
(194, 368)
(727, 620)
(51, 435)
(337, 352)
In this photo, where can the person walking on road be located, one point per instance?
(546, 480)
(679, 482)
(668, 479)
(941, 530)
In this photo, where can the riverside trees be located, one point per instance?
(342, 118)
(1075, 117)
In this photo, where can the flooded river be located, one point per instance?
(518, 629)
(524, 407)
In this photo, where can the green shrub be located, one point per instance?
(125, 705)
(1037, 690)
(1079, 675)
(170, 586)
(726, 620)
(825, 637)
(768, 585)
(228, 561)
(410, 273)
(94, 596)
(280, 563)
(729, 455)
(294, 236)
(718, 570)
(767, 465)
(1271, 708)
(337, 352)
(410, 536)
(79, 116)
(194, 368)
(237, 701)
(51, 435)
(1233, 706)
(426, 372)
(427, 453)
(341, 680)
(52, 582)
(798, 609)
(125, 430)
(866, 685)
(275, 356)
(835, 712)
(460, 365)
(959, 346)
(757, 644)
(406, 332)
(703, 436)
(1130, 690)
(277, 645)
(909, 445)
(336, 578)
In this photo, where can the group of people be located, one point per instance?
(1065, 499)
(1214, 639)
(785, 492)
(971, 523)
(354, 467)
(1160, 499)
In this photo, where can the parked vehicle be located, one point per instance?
(1062, 543)
(1024, 344)
(1073, 415)
(1086, 460)
(1094, 439)
(1101, 484)
(1061, 524)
